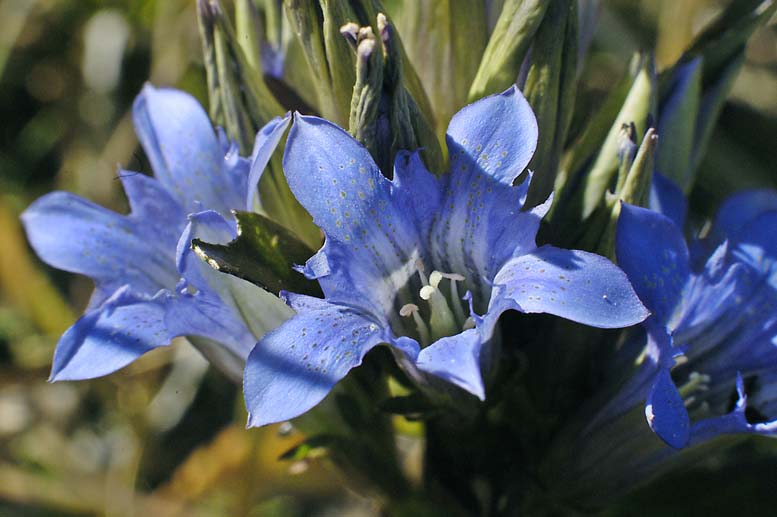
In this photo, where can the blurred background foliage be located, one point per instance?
(166, 435)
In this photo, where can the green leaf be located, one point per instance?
(634, 189)
(721, 48)
(263, 253)
(712, 101)
(413, 406)
(239, 98)
(507, 47)
(317, 26)
(724, 39)
(590, 139)
(550, 88)
(313, 447)
(445, 40)
(678, 126)
(638, 108)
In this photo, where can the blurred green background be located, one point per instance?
(166, 435)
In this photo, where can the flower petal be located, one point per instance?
(418, 190)
(754, 244)
(652, 252)
(294, 367)
(668, 199)
(495, 136)
(665, 411)
(733, 422)
(267, 140)
(185, 152)
(338, 183)
(742, 208)
(457, 360)
(573, 284)
(480, 222)
(481, 228)
(73, 234)
(125, 327)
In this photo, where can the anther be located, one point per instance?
(427, 291)
(408, 309)
(680, 360)
(453, 277)
(411, 309)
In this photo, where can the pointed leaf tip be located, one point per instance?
(264, 253)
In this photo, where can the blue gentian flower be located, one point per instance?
(710, 366)
(421, 263)
(149, 287)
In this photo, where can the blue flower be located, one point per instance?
(711, 359)
(421, 263)
(149, 286)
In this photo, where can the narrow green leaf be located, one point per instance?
(263, 253)
(721, 46)
(313, 447)
(317, 26)
(677, 125)
(414, 406)
(550, 87)
(248, 32)
(725, 38)
(712, 101)
(589, 141)
(635, 190)
(240, 100)
(638, 108)
(445, 41)
(507, 47)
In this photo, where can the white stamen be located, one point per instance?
(427, 291)
(696, 382)
(435, 278)
(457, 308)
(423, 331)
(442, 322)
(420, 267)
(408, 309)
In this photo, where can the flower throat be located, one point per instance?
(439, 312)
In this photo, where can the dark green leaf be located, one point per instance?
(263, 253)
(411, 406)
(313, 446)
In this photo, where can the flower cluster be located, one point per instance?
(425, 264)
(149, 285)
(712, 335)
(649, 344)
(701, 366)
